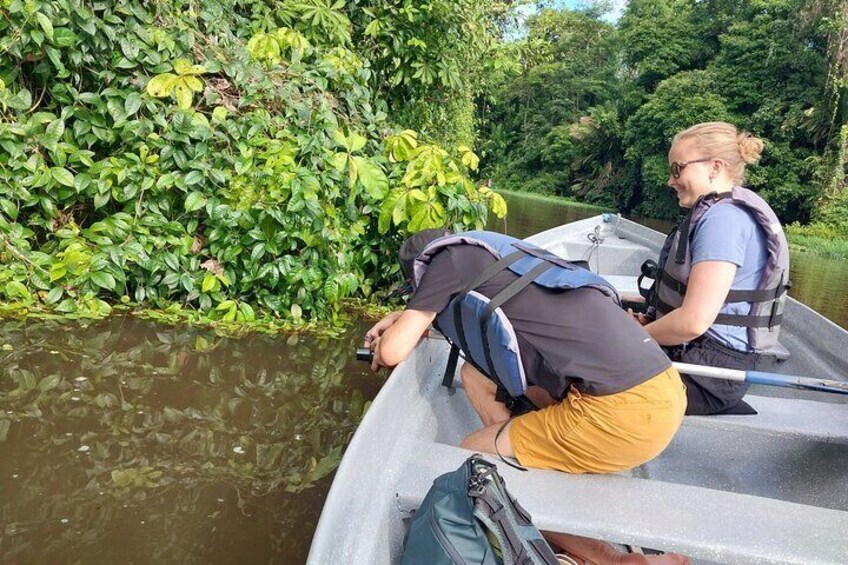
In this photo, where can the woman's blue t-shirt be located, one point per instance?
(730, 233)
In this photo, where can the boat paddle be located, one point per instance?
(750, 377)
(762, 378)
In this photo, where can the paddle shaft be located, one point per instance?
(751, 377)
(762, 378)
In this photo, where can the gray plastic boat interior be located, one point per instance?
(771, 488)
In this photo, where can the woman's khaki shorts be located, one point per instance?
(602, 434)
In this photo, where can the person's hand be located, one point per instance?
(381, 326)
(376, 361)
(639, 318)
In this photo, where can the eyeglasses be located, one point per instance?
(676, 168)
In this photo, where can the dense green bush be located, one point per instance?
(428, 59)
(220, 156)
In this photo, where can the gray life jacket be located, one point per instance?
(477, 325)
(767, 300)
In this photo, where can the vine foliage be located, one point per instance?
(228, 159)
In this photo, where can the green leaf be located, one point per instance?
(14, 288)
(132, 103)
(184, 67)
(64, 37)
(247, 313)
(193, 177)
(55, 295)
(225, 305)
(57, 271)
(219, 114)
(162, 85)
(66, 306)
(385, 220)
(296, 311)
(62, 176)
(9, 208)
(339, 161)
(49, 382)
(372, 177)
(184, 95)
(339, 137)
(210, 283)
(417, 194)
(55, 128)
(103, 280)
(195, 201)
(355, 142)
(193, 83)
(45, 24)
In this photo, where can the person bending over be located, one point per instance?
(560, 377)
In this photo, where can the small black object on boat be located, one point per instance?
(364, 354)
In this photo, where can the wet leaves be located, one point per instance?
(154, 395)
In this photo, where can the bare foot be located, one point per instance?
(597, 552)
(635, 559)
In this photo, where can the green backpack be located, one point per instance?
(468, 517)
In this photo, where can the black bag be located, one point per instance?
(468, 517)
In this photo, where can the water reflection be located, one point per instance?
(822, 284)
(131, 442)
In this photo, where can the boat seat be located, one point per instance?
(784, 417)
(705, 524)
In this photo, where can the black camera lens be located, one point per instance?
(364, 354)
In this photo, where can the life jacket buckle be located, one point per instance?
(649, 269)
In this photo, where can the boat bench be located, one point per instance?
(705, 524)
(783, 417)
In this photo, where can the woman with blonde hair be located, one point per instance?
(721, 280)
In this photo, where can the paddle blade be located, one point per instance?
(805, 383)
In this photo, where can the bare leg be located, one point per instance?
(481, 394)
(598, 552)
(484, 440)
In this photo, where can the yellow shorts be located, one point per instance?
(602, 434)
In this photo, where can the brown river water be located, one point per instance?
(124, 441)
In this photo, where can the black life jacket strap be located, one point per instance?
(498, 451)
(514, 288)
(450, 369)
(683, 240)
(488, 273)
(754, 295)
(741, 320)
(746, 321)
(495, 268)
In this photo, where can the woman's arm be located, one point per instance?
(709, 283)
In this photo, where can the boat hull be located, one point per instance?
(723, 492)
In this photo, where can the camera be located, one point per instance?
(364, 354)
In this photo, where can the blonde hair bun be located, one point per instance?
(721, 140)
(750, 148)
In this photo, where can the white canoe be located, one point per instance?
(770, 488)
